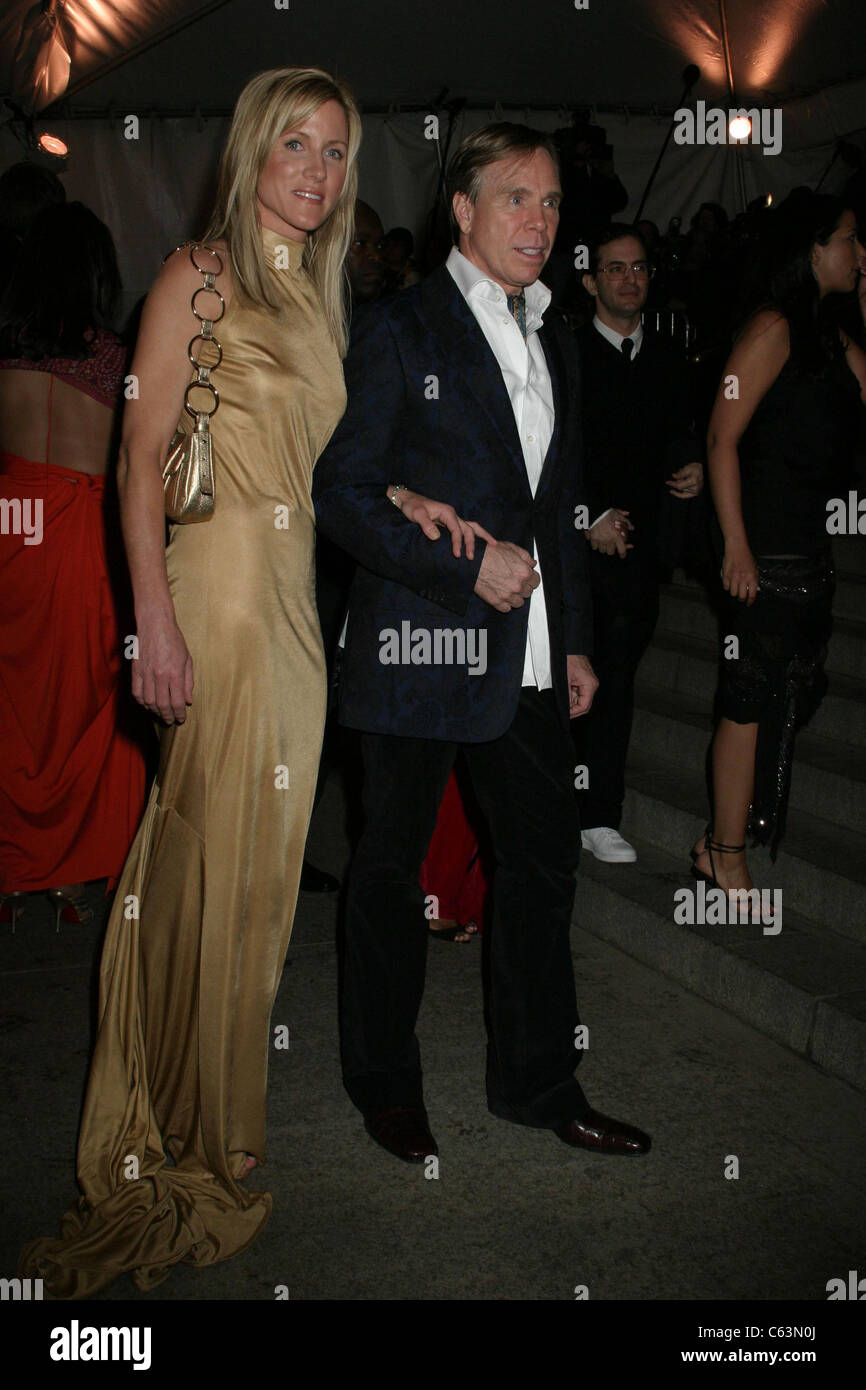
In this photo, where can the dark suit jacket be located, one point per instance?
(428, 407)
(636, 433)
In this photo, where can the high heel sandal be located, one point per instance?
(15, 908)
(711, 845)
(69, 906)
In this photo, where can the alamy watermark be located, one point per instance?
(713, 126)
(77, 1343)
(720, 907)
(438, 646)
(19, 518)
(846, 517)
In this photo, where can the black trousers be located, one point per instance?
(524, 785)
(334, 571)
(624, 620)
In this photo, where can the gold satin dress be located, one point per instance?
(200, 926)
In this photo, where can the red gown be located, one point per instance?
(454, 871)
(73, 783)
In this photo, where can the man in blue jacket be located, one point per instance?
(459, 391)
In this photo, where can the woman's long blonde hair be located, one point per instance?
(271, 102)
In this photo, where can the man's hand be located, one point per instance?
(608, 535)
(424, 512)
(582, 685)
(687, 481)
(507, 576)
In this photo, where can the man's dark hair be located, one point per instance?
(501, 140)
(25, 189)
(402, 237)
(65, 285)
(612, 232)
(718, 212)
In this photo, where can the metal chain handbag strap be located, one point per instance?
(188, 472)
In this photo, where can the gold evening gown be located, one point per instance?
(176, 1092)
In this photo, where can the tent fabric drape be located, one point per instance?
(154, 189)
(147, 52)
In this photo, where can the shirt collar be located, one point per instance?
(617, 339)
(475, 286)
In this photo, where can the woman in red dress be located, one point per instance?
(453, 875)
(73, 784)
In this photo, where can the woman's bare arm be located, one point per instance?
(756, 361)
(426, 513)
(162, 677)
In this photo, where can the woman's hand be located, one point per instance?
(740, 573)
(608, 535)
(162, 678)
(424, 512)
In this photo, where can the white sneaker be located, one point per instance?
(608, 845)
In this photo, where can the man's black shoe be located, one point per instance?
(603, 1135)
(315, 880)
(403, 1131)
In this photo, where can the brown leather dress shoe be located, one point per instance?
(403, 1131)
(603, 1135)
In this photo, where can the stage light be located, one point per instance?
(740, 128)
(52, 144)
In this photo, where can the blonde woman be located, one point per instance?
(230, 657)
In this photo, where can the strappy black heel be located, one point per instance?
(714, 847)
(711, 846)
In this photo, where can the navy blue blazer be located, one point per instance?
(428, 407)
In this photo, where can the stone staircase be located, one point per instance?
(806, 985)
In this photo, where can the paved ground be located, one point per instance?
(513, 1214)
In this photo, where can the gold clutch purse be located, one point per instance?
(188, 472)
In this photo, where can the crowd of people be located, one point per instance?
(474, 453)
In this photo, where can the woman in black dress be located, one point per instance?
(781, 438)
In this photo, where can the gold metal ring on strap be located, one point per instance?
(203, 338)
(201, 386)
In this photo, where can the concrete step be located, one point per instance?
(689, 665)
(828, 779)
(820, 868)
(849, 600)
(686, 611)
(804, 987)
(849, 554)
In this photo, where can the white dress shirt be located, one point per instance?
(617, 339)
(527, 381)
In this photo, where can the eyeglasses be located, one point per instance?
(617, 270)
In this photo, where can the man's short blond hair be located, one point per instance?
(500, 140)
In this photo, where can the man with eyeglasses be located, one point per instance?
(637, 441)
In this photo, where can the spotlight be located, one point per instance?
(740, 128)
(52, 144)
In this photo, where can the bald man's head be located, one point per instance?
(364, 263)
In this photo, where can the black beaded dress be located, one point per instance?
(795, 456)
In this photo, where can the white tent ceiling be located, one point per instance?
(161, 55)
(180, 64)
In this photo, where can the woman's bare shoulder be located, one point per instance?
(181, 272)
(767, 329)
